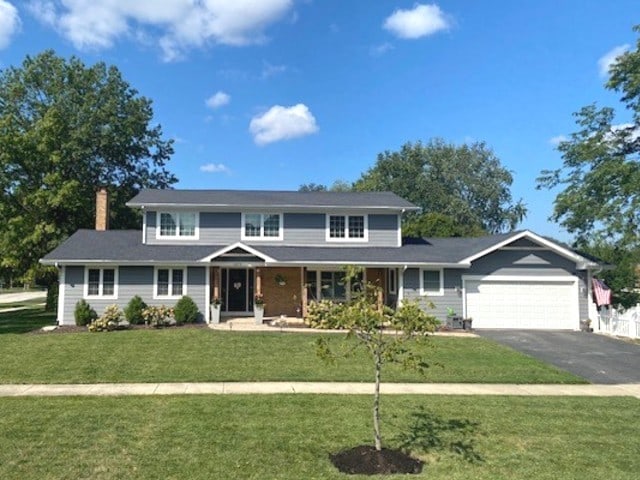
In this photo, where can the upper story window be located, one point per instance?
(177, 225)
(100, 282)
(352, 228)
(431, 282)
(262, 226)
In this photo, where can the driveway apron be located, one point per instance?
(596, 358)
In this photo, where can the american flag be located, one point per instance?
(601, 292)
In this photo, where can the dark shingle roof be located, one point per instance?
(126, 246)
(270, 199)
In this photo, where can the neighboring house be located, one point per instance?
(291, 247)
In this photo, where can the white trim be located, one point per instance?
(61, 294)
(399, 230)
(185, 282)
(144, 226)
(177, 236)
(433, 293)
(579, 259)
(401, 285)
(241, 245)
(527, 278)
(346, 238)
(100, 295)
(289, 207)
(261, 237)
(207, 295)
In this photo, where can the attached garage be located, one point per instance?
(549, 303)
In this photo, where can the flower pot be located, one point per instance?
(258, 314)
(215, 313)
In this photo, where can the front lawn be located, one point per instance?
(291, 436)
(203, 355)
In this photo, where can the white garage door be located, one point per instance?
(522, 304)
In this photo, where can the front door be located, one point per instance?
(237, 290)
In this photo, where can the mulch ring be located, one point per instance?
(75, 329)
(366, 460)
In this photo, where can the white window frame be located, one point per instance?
(100, 282)
(346, 238)
(435, 293)
(261, 237)
(177, 236)
(157, 296)
(348, 289)
(392, 272)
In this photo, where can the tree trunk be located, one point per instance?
(376, 403)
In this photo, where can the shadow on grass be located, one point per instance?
(24, 321)
(429, 433)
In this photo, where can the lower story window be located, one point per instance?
(169, 282)
(330, 285)
(101, 282)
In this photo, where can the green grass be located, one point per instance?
(32, 318)
(291, 436)
(203, 355)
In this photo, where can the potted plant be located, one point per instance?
(281, 280)
(258, 308)
(453, 319)
(216, 305)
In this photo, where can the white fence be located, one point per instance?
(622, 324)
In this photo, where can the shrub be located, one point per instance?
(133, 310)
(186, 310)
(52, 297)
(158, 316)
(84, 314)
(111, 319)
(324, 314)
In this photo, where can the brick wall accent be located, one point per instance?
(102, 209)
(281, 299)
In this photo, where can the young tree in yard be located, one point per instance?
(66, 129)
(466, 184)
(387, 336)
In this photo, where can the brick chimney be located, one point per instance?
(102, 209)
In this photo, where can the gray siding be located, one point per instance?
(220, 228)
(132, 280)
(532, 263)
(450, 299)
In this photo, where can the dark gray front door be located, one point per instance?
(237, 290)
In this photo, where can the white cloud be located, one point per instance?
(608, 59)
(423, 20)
(217, 100)
(9, 22)
(215, 168)
(176, 25)
(378, 50)
(269, 70)
(282, 123)
(557, 140)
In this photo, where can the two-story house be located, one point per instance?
(291, 247)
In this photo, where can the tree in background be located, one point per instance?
(337, 186)
(463, 188)
(64, 130)
(600, 176)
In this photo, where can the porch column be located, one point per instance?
(303, 291)
(258, 281)
(216, 283)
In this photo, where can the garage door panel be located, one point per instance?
(521, 304)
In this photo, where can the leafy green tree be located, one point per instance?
(600, 174)
(65, 129)
(337, 186)
(466, 183)
(434, 224)
(387, 336)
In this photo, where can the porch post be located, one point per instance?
(216, 282)
(258, 281)
(303, 291)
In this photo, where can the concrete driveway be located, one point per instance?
(596, 358)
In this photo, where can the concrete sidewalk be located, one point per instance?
(338, 388)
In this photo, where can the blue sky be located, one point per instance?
(270, 94)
